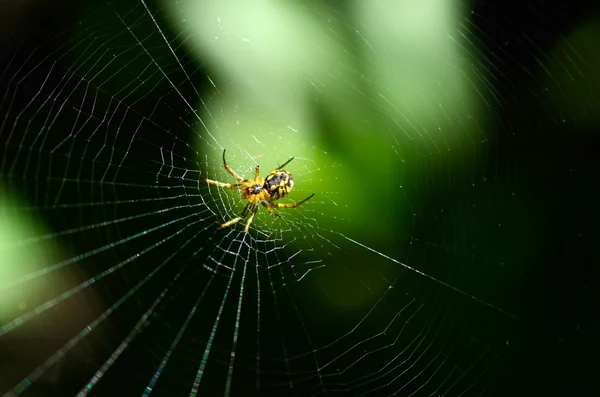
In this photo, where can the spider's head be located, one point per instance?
(279, 183)
(256, 189)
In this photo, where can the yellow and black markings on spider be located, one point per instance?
(263, 191)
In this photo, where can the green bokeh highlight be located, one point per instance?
(355, 115)
(18, 258)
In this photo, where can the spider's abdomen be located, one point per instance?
(278, 184)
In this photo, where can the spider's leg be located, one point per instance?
(284, 164)
(237, 219)
(231, 222)
(293, 205)
(232, 172)
(221, 184)
(256, 171)
(268, 207)
(254, 209)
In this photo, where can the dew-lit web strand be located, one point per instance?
(439, 367)
(420, 338)
(380, 300)
(318, 263)
(141, 82)
(450, 373)
(126, 151)
(101, 203)
(279, 322)
(69, 158)
(291, 226)
(68, 75)
(6, 328)
(489, 65)
(434, 359)
(368, 378)
(17, 118)
(139, 326)
(49, 236)
(148, 390)
(464, 373)
(473, 297)
(79, 113)
(39, 371)
(375, 350)
(171, 167)
(416, 360)
(49, 269)
(362, 380)
(6, 91)
(21, 81)
(481, 374)
(297, 312)
(63, 180)
(180, 66)
(328, 345)
(104, 144)
(200, 372)
(223, 251)
(74, 137)
(103, 121)
(62, 84)
(161, 70)
(398, 366)
(257, 317)
(274, 289)
(71, 74)
(499, 61)
(79, 181)
(40, 90)
(237, 323)
(382, 332)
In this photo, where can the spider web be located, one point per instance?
(406, 274)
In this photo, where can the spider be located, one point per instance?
(257, 191)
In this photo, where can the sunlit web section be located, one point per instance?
(116, 277)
